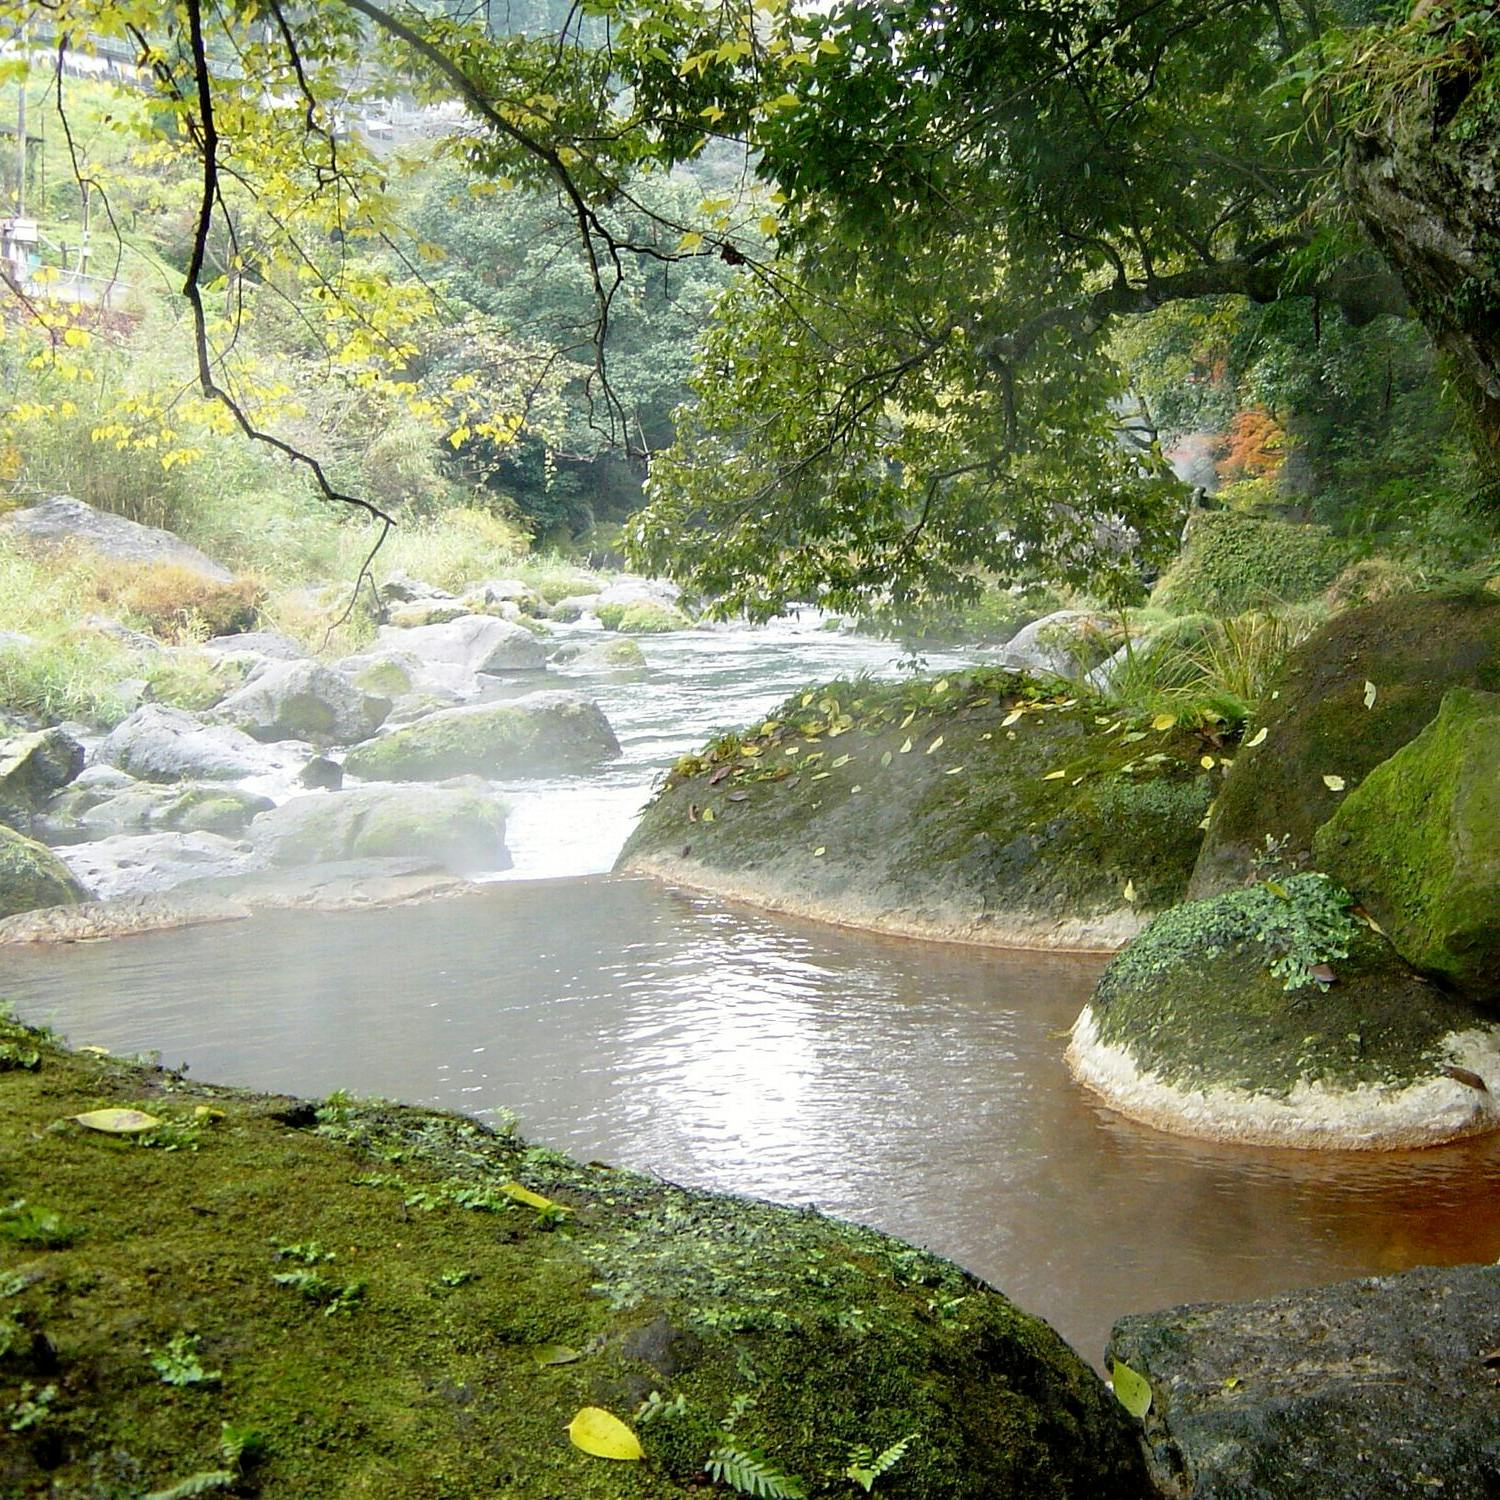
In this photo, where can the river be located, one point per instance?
(918, 1087)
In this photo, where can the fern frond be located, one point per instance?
(864, 1470)
(209, 1482)
(752, 1473)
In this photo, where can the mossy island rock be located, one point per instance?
(539, 734)
(1410, 650)
(386, 1295)
(1397, 1399)
(32, 876)
(1418, 843)
(1230, 563)
(304, 700)
(979, 807)
(641, 617)
(1193, 1029)
(99, 811)
(609, 654)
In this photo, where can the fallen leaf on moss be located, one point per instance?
(116, 1121)
(1334, 783)
(603, 1435)
(555, 1354)
(1370, 693)
(935, 744)
(1163, 722)
(1132, 1389)
(1259, 738)
(526, 1196)
(1054, 775)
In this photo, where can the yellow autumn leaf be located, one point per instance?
(708, 815)
(690, 241)
(1054, 775)
(1010, 718)
(820, 851)
(604, 1435)
(117, 1121)
(526, 1196)
(906, 747)
(1132, 1389)
(1130, 891)
(1334, 783)
(1259, 738)
(935, 744)
(1207, 762)
(1164, 721)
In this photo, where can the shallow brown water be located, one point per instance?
(918, 1087)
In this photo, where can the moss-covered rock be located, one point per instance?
(539, 734)
(1230, 563)
(609, 652)
(404, 1304)
(1272, 1015)
(31, 875)
(1318, 724)
(976, 807)
(641, 617)
(1419, 844)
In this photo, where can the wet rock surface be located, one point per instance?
(65, 522)
(1366, 1389)
(167, 744)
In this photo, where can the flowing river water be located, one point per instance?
(918, 1087)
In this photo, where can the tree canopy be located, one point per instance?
(940, 209)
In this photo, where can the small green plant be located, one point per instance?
(305, 1253)
(749, 1472)
(31, 1408)
(241, 1446)
(30, 1224)
(208, 1482)
(13, 1056)
(333, 1297)
(178, 1363)
(866, 1466)
(174, 1133)
(454, 1278)
(656, 1406)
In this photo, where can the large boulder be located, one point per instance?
(96, 812)
(1066, 643)
(31, 876)
(483, 1331)
(1349, 697)
(138, 864)
(456, 652)
(428, 612)
(64, 522)
(641, 617)
(1378, 1387)
(1418, 843)
(540, 734)
(304, 700)
(461, 829)
(970, 807)
(595, 654)
(169, 744)
(631, 588)
(1273, 1016)
(32, 768)
(268, 643)
(1230, 563)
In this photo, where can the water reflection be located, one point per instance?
(916, 1087)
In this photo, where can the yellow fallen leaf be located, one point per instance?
(117, 1121)
(1132, 1389)
(1334, 783)
(1259, 738)
(708, 815)
(1054, 775)
(1164, 721)
(906, 747)
(526, 1196)
(1370, 694)
(207, 1112)
(1130, 891)
(935, 744)
(820, 851)
(604, 1435)
(97, 1051)
(1207, 762)
(1010, 718)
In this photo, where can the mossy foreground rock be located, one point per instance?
(32, 876)
(1410, 651)
(1193, 1029)
(1419, 844)
(1377, 1387)
(404, 1304)
(540, 734)
(976, 807)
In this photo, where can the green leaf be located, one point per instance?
(1132, 1389)
(116, 1121)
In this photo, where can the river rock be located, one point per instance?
(268, 643)
(1403, 654)
(457, 652)
(304, 700)
(599, 655)
(1192, 1029)
(573, 607)
(1378, 1387)
(1418, 843)
(136, 640)
(32, 876)
(138, 864)
(65, 522)
(540, 734)
(957, 808)
(428, 612)
(631, 588)
(641, 617)
(32, 768)
(149, 807)
(1067, 643)
(493, 591)
(459, 828)
(853, 1338)
(167, 744)
(321, 775)
(402, 588)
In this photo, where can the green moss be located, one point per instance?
(977, 794)
(1419, 843)
(1412, 649)
(1197, 998)
(383, 679)
(804, 1335)
(1230, 563)
(32, 876)
(642, 618)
